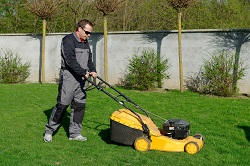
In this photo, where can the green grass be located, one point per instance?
(225, 123)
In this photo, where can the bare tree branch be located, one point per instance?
(43, 8)
(180, 4)
(108, 6)
(79, 8)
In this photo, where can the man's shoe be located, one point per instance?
(47, 138)
(78, 138)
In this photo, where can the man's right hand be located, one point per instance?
(93, 74)
(87, 75)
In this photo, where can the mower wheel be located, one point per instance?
(191, 147)
(142, 144)
(199, 136)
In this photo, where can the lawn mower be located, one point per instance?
(131, 128)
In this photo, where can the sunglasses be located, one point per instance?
(87, 32)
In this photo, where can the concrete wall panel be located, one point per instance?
(197, 46)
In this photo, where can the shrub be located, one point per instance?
(12, 70)
(216, 76)
(145, 71)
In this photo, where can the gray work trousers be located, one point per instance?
(70, 92)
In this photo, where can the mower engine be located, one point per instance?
(176, 128)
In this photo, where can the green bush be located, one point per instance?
(216, 76)
(12, 70)
(145, 71)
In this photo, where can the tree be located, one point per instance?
(179, 5)
(43, 9)
(79, 7)
(106, 7)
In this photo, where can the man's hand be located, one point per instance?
(87, 75)
(93, 74)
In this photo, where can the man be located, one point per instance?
(76, 64)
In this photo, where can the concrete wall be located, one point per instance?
(198, 45)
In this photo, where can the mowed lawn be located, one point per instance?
(24, 110)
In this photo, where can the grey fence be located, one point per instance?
(198, 45)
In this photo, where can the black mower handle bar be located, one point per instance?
(144, 126)
(97, 86)
(109, 94)
(115, 97)
(130, 101)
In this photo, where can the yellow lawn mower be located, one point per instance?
(131, 128)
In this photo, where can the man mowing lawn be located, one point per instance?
(76, 63)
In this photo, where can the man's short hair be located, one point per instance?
(82, 23)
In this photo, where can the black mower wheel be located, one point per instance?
(142, 144)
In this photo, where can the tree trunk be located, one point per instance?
(105, 48)
(42, 76)
(180, 52)
(125, 16)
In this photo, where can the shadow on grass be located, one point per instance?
(65, 120)
(246, 130)
(103, 133)
(88, 124)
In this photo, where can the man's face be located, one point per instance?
(85, 32)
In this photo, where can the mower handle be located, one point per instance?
(97, 86)
(120, 94)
